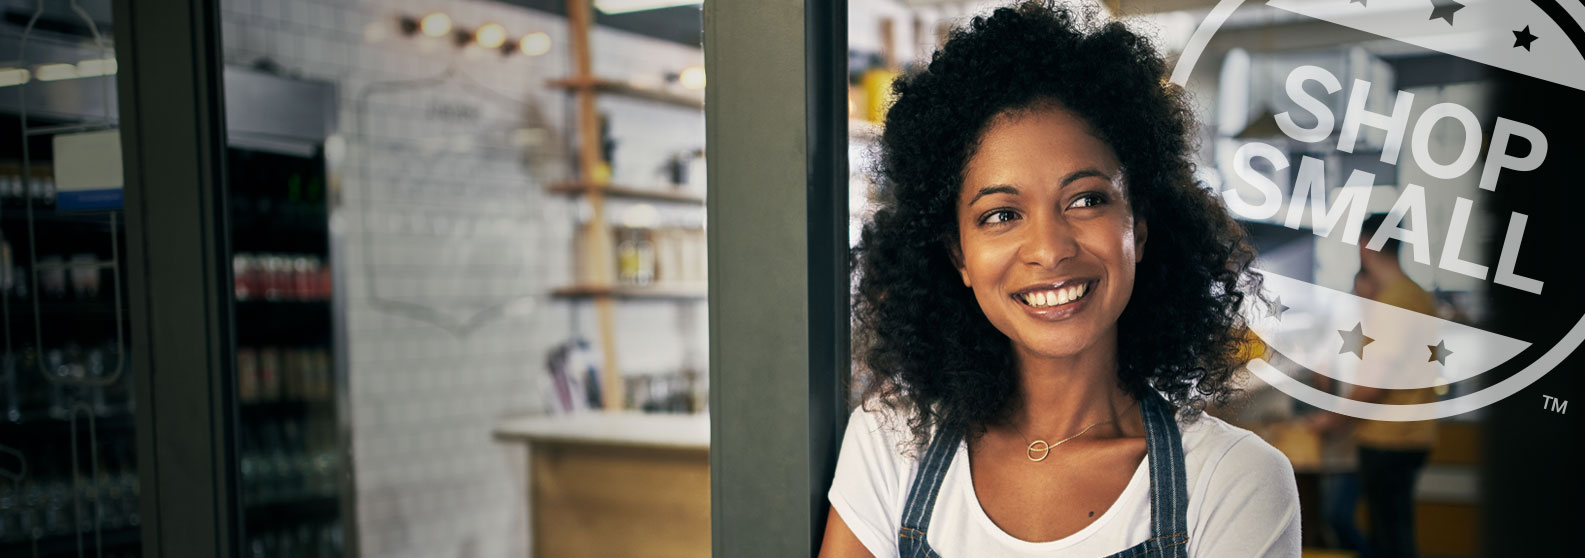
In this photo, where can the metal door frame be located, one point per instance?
(776, 132)
(172, 121)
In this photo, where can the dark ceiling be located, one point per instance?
(681, 24)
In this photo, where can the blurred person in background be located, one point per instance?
(1391, 454)
(1340, 486)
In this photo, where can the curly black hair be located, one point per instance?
(942, 362)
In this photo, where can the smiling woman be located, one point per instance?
(1033, 379)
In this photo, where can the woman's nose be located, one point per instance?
(1049, 242)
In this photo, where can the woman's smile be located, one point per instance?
(1056, 300)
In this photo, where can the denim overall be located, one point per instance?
(1169, 493)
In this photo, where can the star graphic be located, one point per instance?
(1277, 308)
(1523, 38)
(1360, 2)
(1439, 352)
(1445, 11)
(1354, 341)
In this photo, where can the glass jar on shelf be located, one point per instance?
(635, 256)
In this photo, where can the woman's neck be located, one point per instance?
(1060, 396)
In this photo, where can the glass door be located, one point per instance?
(69, 482)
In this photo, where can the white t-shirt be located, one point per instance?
(1243, 500)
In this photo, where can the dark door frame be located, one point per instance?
(172, 122)
(776, 130)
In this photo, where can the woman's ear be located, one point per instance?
(1140, 232)
(955, 252)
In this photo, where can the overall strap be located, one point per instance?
(922, 495)
(1169, 493)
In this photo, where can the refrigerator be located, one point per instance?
(69, 481)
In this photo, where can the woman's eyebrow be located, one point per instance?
(1066, 180)
(997, 189)
(1084, 173)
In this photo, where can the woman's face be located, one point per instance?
(1047, 239)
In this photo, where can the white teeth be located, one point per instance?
(1056, 297)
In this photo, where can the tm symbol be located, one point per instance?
(1554, 404)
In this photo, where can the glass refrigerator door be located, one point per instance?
(68, 472)
(290, 454)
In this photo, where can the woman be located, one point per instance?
(1035, 374)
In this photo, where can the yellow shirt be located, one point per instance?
(1404, 294)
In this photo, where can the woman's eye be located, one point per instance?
(1087, 200)
(998, 217)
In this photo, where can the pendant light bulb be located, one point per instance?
(692, 77)
(535, 44)
(435, 25)
(490, 35)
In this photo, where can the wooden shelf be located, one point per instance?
(615, 87)
(662, 291)
(628, 192)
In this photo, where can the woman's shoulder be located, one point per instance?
(1219, 441)
(1226, 462)
(1202, 428)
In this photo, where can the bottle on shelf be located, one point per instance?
(635, 256)
(289, 277)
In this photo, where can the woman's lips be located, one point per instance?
(1057, 303)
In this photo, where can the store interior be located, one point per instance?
(468, 246)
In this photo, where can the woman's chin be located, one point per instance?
(1054, 347)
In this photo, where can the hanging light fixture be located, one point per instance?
(534, 44)
(692, 77)
(435, 25)
(490, 35)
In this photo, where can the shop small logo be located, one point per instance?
(1338, 137)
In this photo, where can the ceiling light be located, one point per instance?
(55, 72)
(14, 76)
(692, 77)
(96, 67)
(625, 6)
(535, 44)
(435, 25)
(490, 35)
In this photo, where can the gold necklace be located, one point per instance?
(1044, 448)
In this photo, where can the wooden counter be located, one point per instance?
(617, 484)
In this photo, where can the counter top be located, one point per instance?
(629, 428)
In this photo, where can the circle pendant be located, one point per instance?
(1039, 447)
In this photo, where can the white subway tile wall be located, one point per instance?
(450, 246)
